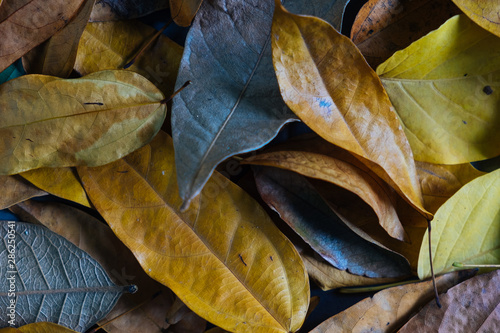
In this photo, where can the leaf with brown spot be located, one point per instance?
(15, 189)
(325, 80)
(46, 121)
(183, 11)
(25, 24)
(383, 27)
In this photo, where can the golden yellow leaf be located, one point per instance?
(109, 45)
(26, 23)
(61, 182)
(183, 11)
(15, 189)
(93, 120)
(40, 327)
(445, 89)
(345, 173)
(325, 80)
(466, 228)
(439, 181)
(223, 257)
(56, 56)
(484, 12)
(388, 309)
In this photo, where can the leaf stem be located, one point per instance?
(438, 303)
(460, 265)
(145, 47)
(378, 287)
(166, 100)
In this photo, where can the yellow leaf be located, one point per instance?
(56, 56)
(61, 182)
(466, 228)
(445, 89)
(325, 80)
(183, 11)
(15, 189)
(40, 327)
(223, 257)
(26, 23)
(109, 45)
(484, 13)
(93, 120)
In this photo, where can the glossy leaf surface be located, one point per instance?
(53, 279)
(325, 80)
(223, 257)
(46, 121)
(466, 228)
(447, 93)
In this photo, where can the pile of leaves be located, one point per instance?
(209, 213)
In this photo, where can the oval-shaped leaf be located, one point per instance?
(325, 80)
(445, 88)
(26, 23)
(466, 228)
(46, 278)
(15, 189)
(41, 327)
(94, 120)
(223, 257)
(484, 13)
(299, 205)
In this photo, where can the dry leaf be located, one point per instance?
(15, 189)
(223, 257)
(26, 23)
(40, 327)
(183, 11)
(94, 120)
(108, 10)
(484, 13)
(325, 80)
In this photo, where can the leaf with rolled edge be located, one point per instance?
(298, 204)
(223, 257)
(93, 120)
(389, 309)
(11, 72)
(445, 90)
(110, 45)
(61, 182)
(326, 81)
(53, 279)
(465, 229)
(56, 56)
(16, 189)
(41, 327)
(233, 104)
(26, 23)
(343, 173)
(484, 13)
(111, 10)
(471, 306)
(183, 11)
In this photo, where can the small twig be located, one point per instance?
(143, 48)
(168, 99)
(438, 303)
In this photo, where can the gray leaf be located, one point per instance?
(53, 279)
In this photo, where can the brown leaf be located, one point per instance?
(15, 189)
(388, 309)
(472, 306)
(25, 24)
(183, 11)
(383, 27)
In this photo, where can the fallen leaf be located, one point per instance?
(52, 280)
(446, 94)
(26, 23)
(109, 45)
(383, 27)
(222, 257)
(61, 182)
(108, 10)
(388, 309)
(97, 239)
(325, 80)
(15, 189)
(40, 327)
(11, 72)
(483, 13)
(46, 121)
(233, 104)
(343, 173)
(439, 182)
(301, 207)
(183, 11)
(465, 229)
(471, 306)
